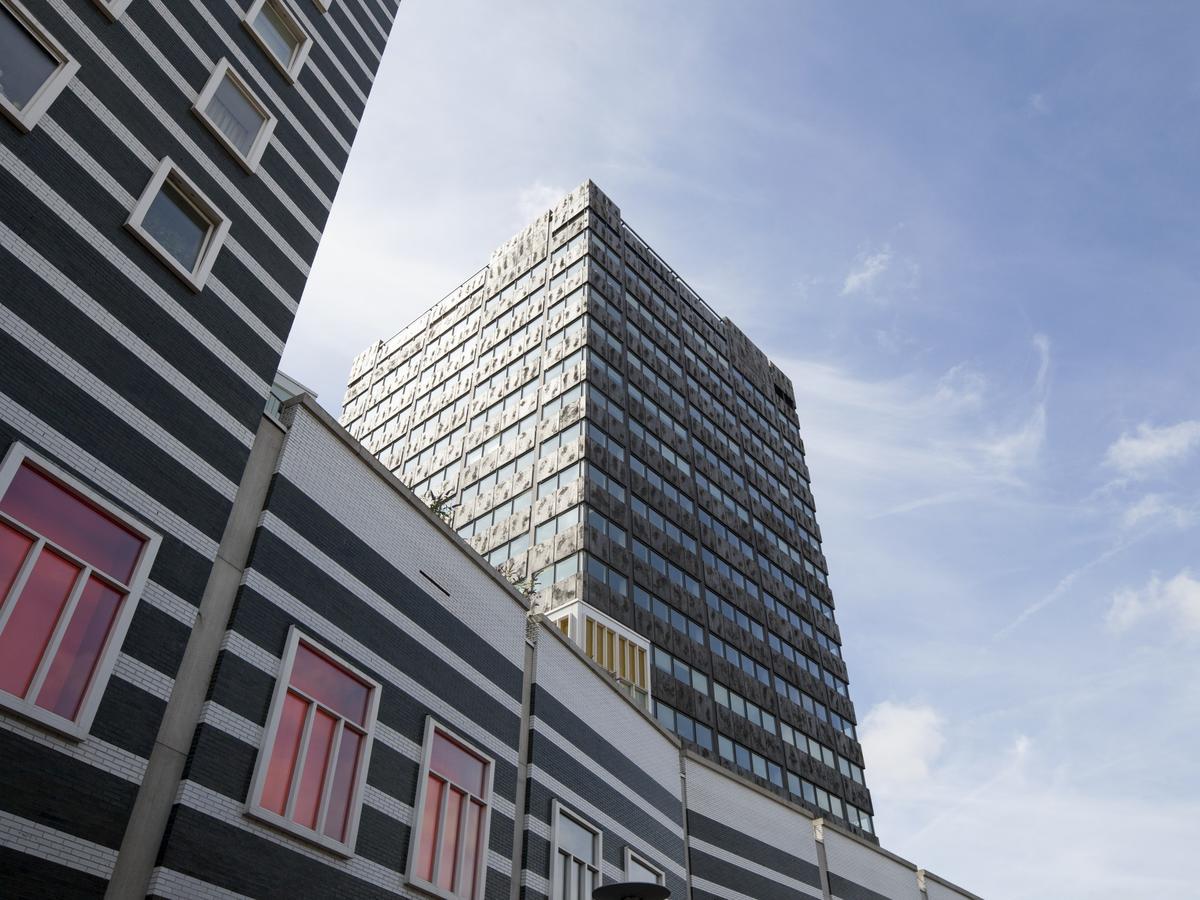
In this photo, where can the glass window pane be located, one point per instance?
(455, 763)
(316, 762)
(26, 65)
(283, 754)
(14, 547)
(276, 33)
(640, 873)
(471, 849)
(177, 225)
(343, 784)
(448, 861)
(35, 500)
(31, 623)
(429, 828)
(330, 684)
(233, 113)
(75, 660)
(575, 839)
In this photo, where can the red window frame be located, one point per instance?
(316, 748)
(72, 570)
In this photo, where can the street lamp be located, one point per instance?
(631, 890)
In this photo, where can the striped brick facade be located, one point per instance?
(116, 371)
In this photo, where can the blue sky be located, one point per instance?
(969, 232)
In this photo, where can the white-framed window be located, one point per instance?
(312, 766)
(34, 67)
(179, 225)
(448, 851)
(72, 569)
(639, 870)
(578, 844)
(113, 8)
(323, 5)
(277, 30)
(234, 114)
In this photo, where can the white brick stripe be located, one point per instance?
(92, 751)
(127, 200)
(190, 94)
(224, 719)
(376, 52)
(84, 228)
(170, 604)
(588, 810)
(91, 468)
(314, 554)
(177, 886)
(211, 803)
(145, 677)
(278, 107)
(198, 156)
(750, 866)
(310, 65)
(56, 846)
(108, 398)
(69, 291)
(370, 16)
(572, 751)
(719, 890)
(248, 651)
(387, 805)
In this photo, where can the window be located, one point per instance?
(113, 8)
(312, 766)
(276, 29)
(638, 869)
(71, 571)
(447, 854)
(235, 116)
(35, 67)
(576, 866)
(179, 225)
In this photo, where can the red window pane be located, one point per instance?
(36, 501)
(312, 779)
(343, 785)
(429, 828)
(75, 660)
(14, 547)
(453, 761)
(471, 848)
(283, 754)
(448, 862)
(330, 684)
(31, 624)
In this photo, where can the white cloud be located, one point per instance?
(1039, 105)
(535, 199)
(1177, 600)
(1149, 449)
(1156, 509)
(900, 743)
(868, 268)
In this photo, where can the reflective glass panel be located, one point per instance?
(233, 113)
(24, 63)
(177, 225)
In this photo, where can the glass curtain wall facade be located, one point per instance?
(599, 433)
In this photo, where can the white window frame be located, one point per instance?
(290, 69)
(27, 117)
(113, 8)
(323, 5)
(632, 855)
(248, 161)
(197, 277)
(253, 806)
(558, 811)
(432, 726)
(78, 728)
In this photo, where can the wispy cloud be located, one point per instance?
(1157, 509)
(535, 199)
(868, 269)
(1148, 449)
(901, 742)
(1176, 600)
(1038, 104)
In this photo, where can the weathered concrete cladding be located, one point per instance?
(711, 424)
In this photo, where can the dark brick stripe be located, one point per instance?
(25, 877)
(738, 842)
(845, 889)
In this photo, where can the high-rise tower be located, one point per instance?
(596, 430)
